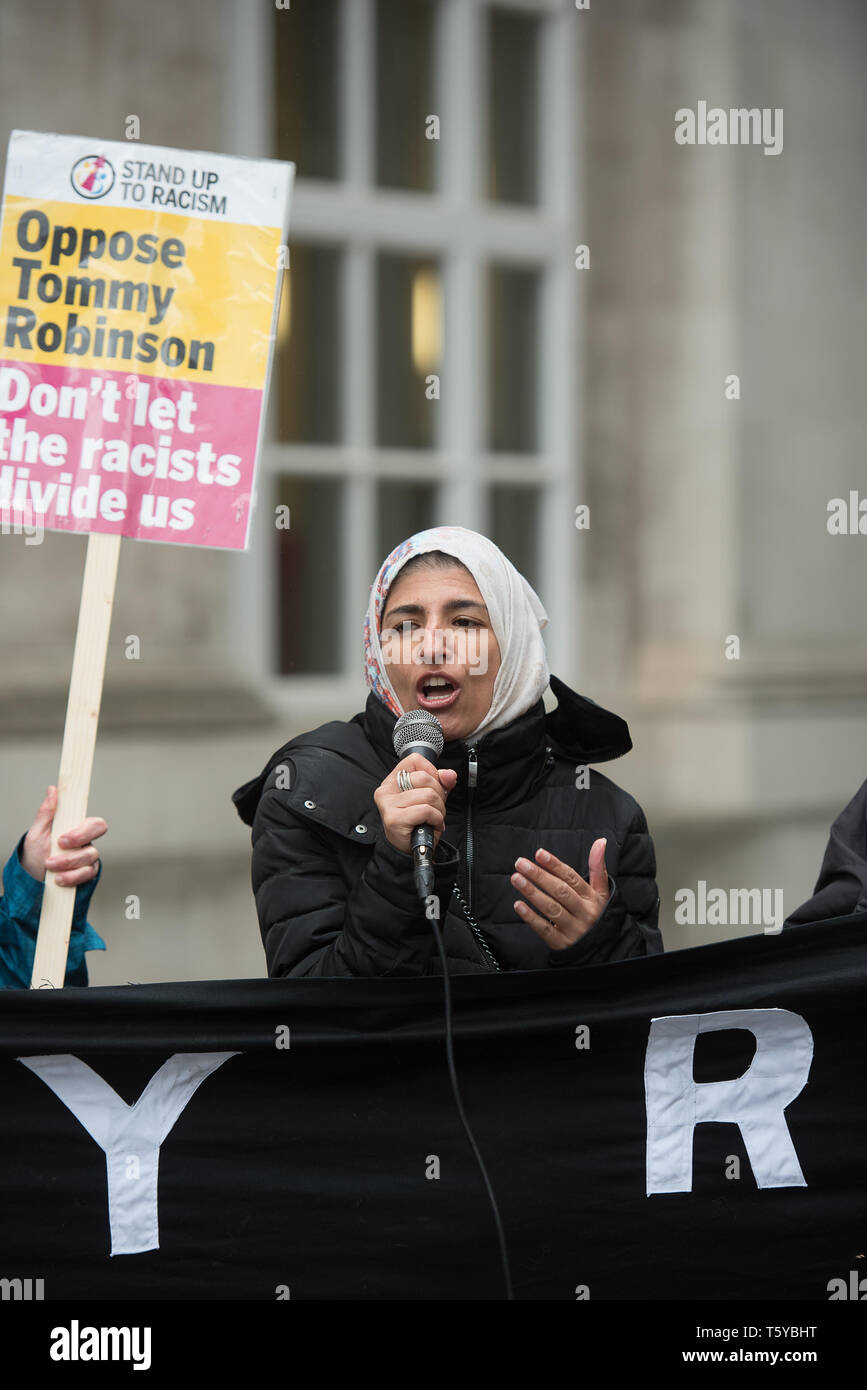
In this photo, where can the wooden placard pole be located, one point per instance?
(76, 757)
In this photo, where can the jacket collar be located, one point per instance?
(511, 761)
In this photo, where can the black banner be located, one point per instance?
(689, 1126)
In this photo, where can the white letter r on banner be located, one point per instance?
(755, 1101)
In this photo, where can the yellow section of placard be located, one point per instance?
(124, 289)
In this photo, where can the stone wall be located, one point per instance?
(708, 514)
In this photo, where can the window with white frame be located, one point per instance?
(425, 369)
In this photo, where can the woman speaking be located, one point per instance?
(539, 862)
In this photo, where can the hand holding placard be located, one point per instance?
(137, 337)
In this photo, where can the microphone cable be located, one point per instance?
(432, 907)
(419, 731)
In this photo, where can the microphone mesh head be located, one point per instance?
(418, 726)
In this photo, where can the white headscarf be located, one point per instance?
(516, 613)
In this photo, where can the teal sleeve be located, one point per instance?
(20, 907)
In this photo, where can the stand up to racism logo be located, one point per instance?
(92, 176)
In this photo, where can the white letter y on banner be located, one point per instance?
(129, 1132)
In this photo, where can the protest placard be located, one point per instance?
(139, 290)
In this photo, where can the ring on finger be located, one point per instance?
(404, 781)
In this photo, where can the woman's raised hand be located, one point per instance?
(567, 905)
(401, 811)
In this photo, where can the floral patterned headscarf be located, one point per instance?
(516, 613)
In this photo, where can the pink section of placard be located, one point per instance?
(78, 447)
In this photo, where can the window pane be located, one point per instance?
(514, 511)
(402, 509)
(305, 72)
(513, 104)
(307, 368)
(404, 93)
(409, 336)
(309, 576)
(512, 356)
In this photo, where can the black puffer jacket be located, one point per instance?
(334, 897)
(841, 887)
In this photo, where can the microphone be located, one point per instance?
(419, 731)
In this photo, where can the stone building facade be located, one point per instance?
(707, 510)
